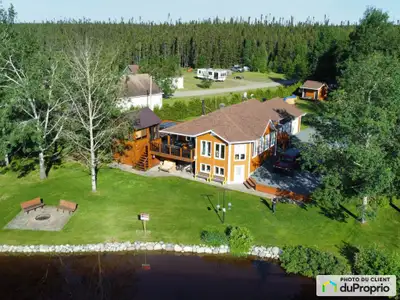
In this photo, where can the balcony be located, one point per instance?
(182, 152)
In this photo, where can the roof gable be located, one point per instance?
(138, 85)
(311, 84)
(142, 118)
(245, 121)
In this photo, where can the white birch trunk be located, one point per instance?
(6, 160)
(42, 168)
(92, 157)
(364, 209)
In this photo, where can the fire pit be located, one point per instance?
(42, 217)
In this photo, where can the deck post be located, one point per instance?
(169, 147)
(159, 147)
(180, 152)
(169, 139)
(191, 154)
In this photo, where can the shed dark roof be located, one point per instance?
(245, 121)
(311, 84)
(142, 118)
(138, 85)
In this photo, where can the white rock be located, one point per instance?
(157, 247)
(200, 250)
(207, 250)
(275, 250)
(177, 248)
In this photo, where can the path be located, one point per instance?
(155, 173)
(243, 88)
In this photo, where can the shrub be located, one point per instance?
(206, 84)
(240, 240)
(312, 262)
(213, 237)
(372, 261)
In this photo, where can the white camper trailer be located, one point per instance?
(211, 74)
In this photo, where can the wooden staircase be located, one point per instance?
(250, 183)
(143, 163)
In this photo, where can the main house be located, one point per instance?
(229, 144)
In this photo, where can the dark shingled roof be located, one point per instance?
(142, 118)
(245, 121)
(138, 85)
(310, 84)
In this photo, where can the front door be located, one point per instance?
(239, 174)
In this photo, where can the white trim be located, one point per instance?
(202, 164)
(308, 88)
(201, 148)
(245, 153)
(255, 150)
(234, 174)
(215, 171)
(229, 163)
(215, 151)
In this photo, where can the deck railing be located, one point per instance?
(171, 150)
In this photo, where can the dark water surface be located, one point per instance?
(122, 276)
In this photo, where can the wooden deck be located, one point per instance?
(171, 152)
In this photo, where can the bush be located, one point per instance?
(240, 240)
(312, 262)
(372, 261)
(206, 84)
(213, 237)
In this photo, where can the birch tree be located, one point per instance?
(92, 91)
(357, 140)
(35, 99)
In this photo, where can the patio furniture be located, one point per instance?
(65, 205)
(219, 179)
(202, 175)
(167, 166)
(27, 206)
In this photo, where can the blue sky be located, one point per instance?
(157, 10)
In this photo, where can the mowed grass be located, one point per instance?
(178, 211)
(191, 82)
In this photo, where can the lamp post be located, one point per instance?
(223, 207)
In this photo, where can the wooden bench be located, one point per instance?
(219, 179)
(32, 204)
(202, 175)
(67, 206)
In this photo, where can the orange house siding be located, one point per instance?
(212, 161)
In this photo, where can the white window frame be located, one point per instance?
(240, 154)
(218, 173)
(254, 149)
(215, 151)
(205, 167)
(273, 138)
(201, 148)
(267, 142)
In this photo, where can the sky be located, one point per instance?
(158, 10)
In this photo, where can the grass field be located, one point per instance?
(191, 83)
(178, 210)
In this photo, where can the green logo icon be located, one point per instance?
(330, 282)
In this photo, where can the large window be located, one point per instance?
(205, 148)
(219, 171)
(253, 149)
(205, 168)
(240, 152)
(273, 138)
(219, 151)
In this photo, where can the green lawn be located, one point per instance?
(190, 82)
(178, 212)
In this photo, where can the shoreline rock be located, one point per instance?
(257, 251)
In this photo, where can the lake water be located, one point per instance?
(144, 276)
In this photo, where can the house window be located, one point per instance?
(266, 142)
(240, 152)
(219, 151)
(205, 148)
(205, 168)
(219, 171)
(273, 138)
(253, 149)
